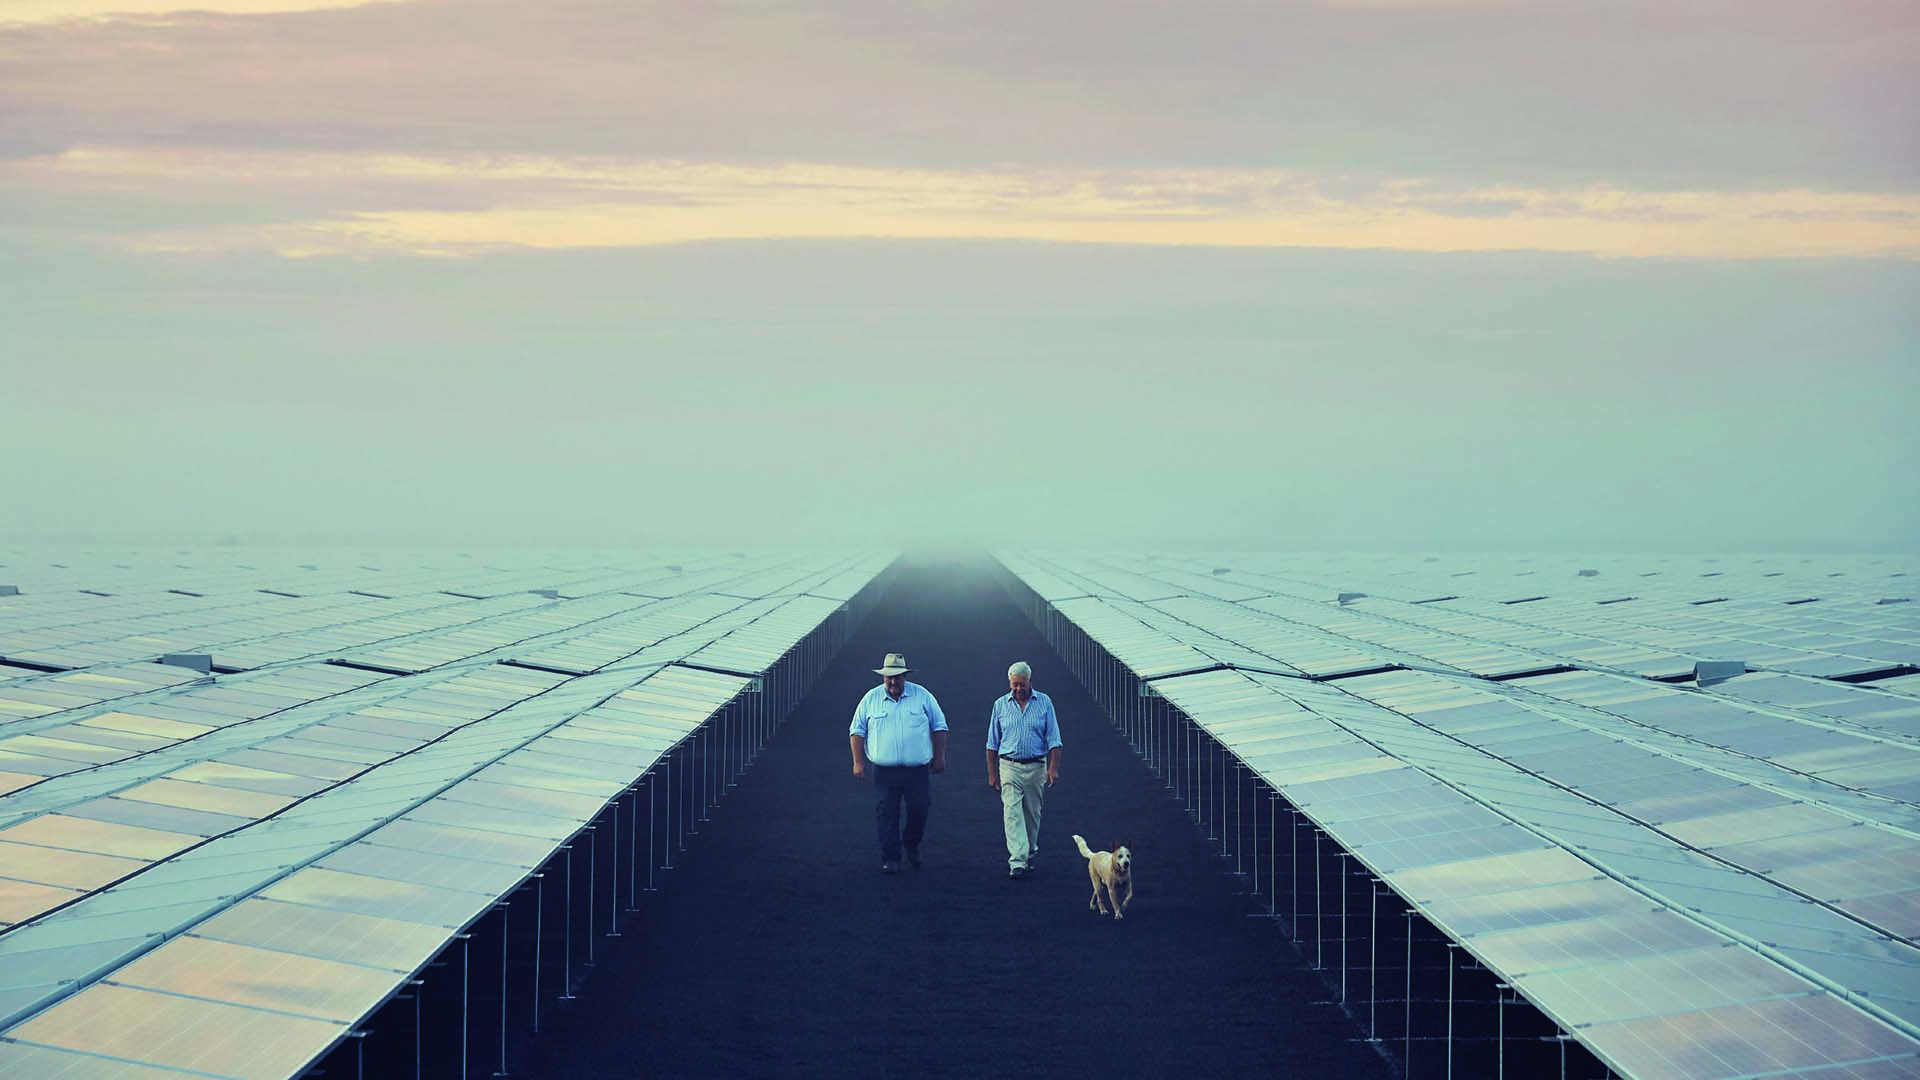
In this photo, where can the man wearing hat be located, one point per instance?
(899, 735)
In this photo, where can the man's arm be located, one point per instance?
(993, 747)
(1053, 745)
(937, 727)
(857, 739)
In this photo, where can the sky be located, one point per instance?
(1290, 274)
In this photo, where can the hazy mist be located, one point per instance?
(903, 393)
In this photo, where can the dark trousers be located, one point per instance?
(893, 785)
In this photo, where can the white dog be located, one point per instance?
(1111, 870)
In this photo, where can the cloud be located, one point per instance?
(154, 12)
(1634, 93)
(1423, 4)
(359, 204)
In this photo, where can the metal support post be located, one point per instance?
(1450, 947)
(1406, 1030)
(1319, 906)
(566, 953)
(705, 735)
(466, 968)
(633, 845)
(1341, 856)
(1253, 879)
(736, 731)
(1373, 959)
(539, 920)
(1203, 782)
(1192, 763)
(1293, 841)
(1238, 866)
(504, 906)
(652, 780)
(1500, 1029)
(669, 828)
(1273, 852)
(613, 878)
(1225, 758)
(690, 788)
(1167, 753)
(593, 880)
(419, 991)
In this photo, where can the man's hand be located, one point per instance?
(859, 768)
(939, 763)
(1053, 777)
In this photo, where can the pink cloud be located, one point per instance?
(1641, 92)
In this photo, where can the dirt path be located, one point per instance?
(776, 948)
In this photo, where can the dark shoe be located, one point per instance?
(913, 857)
(1018, 873)
(889, 867)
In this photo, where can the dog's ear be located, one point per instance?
(1117, 845)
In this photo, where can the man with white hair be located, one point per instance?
(898, 735)
(1023, 761)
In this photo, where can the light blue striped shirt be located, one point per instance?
(898, 732)
(1012, 732)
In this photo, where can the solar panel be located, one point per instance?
(264, 853)
(1691, 880)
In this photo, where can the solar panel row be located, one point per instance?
(1693, 880)
(222, 874)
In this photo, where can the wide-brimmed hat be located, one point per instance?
(894, 664)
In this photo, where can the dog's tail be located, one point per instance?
(1081, 843)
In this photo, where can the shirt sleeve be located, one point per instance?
(938, 718)
(859, 725)
(993, 726)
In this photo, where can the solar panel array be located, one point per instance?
(1694, 876)
(220, 869)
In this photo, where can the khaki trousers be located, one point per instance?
(1022, 789)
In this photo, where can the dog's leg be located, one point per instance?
(1094, 904)
(1121, 906)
